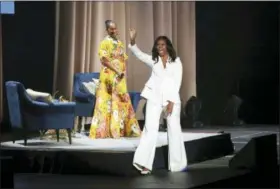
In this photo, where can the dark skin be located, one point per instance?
(112, 32)
(163, 53)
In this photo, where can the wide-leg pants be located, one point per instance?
(145, 152)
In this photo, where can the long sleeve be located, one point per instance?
(147, 59)
(177, 81)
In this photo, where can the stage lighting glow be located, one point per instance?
(7, 7)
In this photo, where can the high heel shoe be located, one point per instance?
(141, 169)
(145, 171)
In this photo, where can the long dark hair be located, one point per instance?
(171, 51)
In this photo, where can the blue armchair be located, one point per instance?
(31, 115)
(135, 97)
(85, 102)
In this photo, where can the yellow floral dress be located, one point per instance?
(114, 116)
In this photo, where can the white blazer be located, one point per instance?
(156, 88)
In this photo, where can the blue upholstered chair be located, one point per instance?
(85, 102)
(135, 98)
(31, 115)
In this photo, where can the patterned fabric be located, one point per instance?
(51, 133)
(114, 116)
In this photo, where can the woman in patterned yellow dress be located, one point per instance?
(114, 116)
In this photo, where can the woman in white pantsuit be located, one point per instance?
(162, 94)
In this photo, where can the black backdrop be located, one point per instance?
(237, 53)
(28, 46)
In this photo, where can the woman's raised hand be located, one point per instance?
(132, 33)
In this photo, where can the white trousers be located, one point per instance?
(145, 152)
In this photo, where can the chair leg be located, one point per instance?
(25, 141)
(25, 137)
(14, 136)
(80, 124)
(69, 136)
(57, 134)
(83, 127)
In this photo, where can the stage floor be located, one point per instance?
(85, 143)
(197, 175)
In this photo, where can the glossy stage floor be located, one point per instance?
(104, 161)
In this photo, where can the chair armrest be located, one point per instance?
(83, 96)
(54, 107)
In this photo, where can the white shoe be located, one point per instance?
(140, 168)
(145, 172)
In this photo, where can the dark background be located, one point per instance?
(237, 53)
(28, 46)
